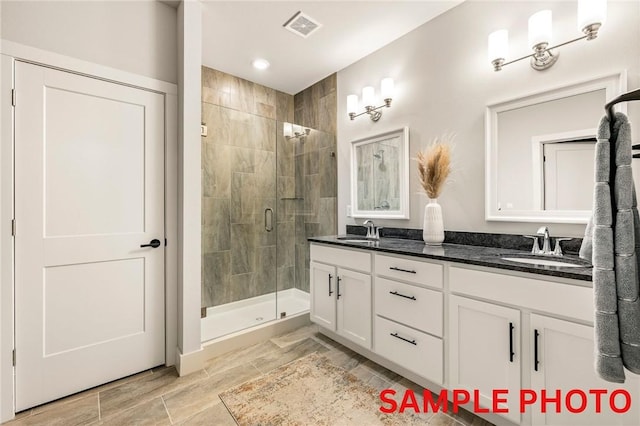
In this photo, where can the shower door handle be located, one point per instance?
(268, 220)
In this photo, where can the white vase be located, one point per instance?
(433, 228)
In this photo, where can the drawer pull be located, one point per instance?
(511, 353)
(393, 268)
(395, 293)
(330, 291)
(413, 342)
(536, 361)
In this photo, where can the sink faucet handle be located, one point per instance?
(536, 246)
(557, 251)
(376, 232)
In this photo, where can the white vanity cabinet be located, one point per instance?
(551, 345)
(485, 351)
(408, 315)
(341, 292)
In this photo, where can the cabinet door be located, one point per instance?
(485, 351)
(323, 295)
(565, 362)
(354, 306)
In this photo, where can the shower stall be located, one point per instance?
(268, 185)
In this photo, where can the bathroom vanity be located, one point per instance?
(460, 317)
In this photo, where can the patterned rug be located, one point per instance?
(309, 391)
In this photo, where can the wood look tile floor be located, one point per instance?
(159, 397)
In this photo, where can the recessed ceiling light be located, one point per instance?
(261, 64)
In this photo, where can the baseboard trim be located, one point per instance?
(189, 363)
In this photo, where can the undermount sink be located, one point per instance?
(544, 261)
(355, 239)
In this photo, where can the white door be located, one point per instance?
(353, 294)
(89, 191)
(567, 166)
(485, 350)
(564, 354)
(323, 296)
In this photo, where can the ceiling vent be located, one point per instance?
(301, 24)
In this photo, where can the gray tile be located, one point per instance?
(147, 388)
(286, 277)
(216, 174)
(263, 133)
(215, 415)
(246, 96)
(278, 358)
(327, 169)
(216, 277)
(243, 243)
(148, 413)
(295, 336)
(264, 280)
(327, 113)
(284, 107)
(203, 394)
(243, 160)
(266, 173)
(286, 244)
(240, 357)
(242, 287)
(327, 213)
(216, 229)
(77, 412)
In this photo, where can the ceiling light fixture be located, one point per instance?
(368, 99)
(261, 64)
(591, 16)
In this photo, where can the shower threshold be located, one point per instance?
(235, 316)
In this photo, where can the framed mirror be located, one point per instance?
(539, 152)
(380, 176)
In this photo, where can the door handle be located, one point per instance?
(536, 361)
(330, 292)
(338, 279)
(155, 243)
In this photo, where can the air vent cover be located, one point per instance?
(301, 24)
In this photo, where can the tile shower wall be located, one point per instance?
(316, 172)
(247, 166)
(239, 183)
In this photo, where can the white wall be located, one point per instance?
(444, 81)
(135, 36)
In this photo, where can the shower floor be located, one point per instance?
(236, 316)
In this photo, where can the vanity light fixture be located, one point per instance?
(591, 16)
(368, 100)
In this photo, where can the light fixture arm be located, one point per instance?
(373, 112)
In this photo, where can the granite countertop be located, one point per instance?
(459, 253)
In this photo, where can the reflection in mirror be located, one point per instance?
(380, 176)
(540, 153)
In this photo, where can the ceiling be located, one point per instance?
(237, 32)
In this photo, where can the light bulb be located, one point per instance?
(498, 45)
(386, 88)
(352, 104)
(540, 28)
(368, 96)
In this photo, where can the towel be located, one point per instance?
(611, 242)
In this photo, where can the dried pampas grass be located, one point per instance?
(434, 166)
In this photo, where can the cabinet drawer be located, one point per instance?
(575, 301)
(419, 352)
(408, 304)
(351, 259)
(409, 270)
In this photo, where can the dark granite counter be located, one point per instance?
(472, 255)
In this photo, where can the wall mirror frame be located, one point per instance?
(380, 176)
(496, 208)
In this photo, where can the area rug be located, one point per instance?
(310, 391)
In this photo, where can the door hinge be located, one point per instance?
(13, 97)
(13, 357)
(13, 227)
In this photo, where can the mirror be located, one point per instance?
(539, 159)
(380, 176)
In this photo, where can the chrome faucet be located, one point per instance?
(543, 232)
(373, 231)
